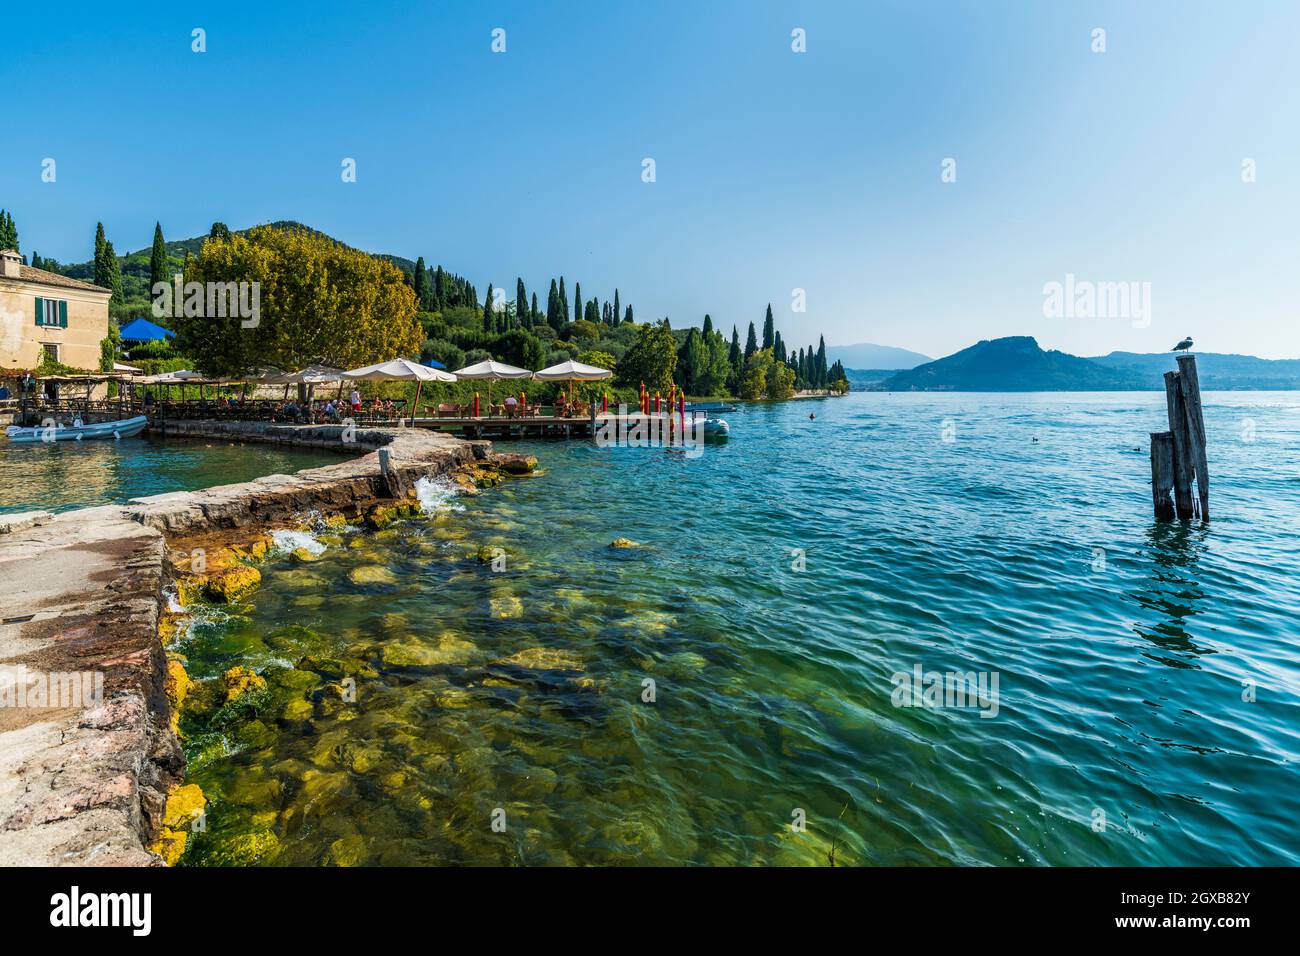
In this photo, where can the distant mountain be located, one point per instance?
(868, 356)
(1014, 364)
(1215, 370)
(1017, 364)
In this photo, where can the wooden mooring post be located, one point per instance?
(1178, 455)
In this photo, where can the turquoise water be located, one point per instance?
(1121, 671)
(63, 475)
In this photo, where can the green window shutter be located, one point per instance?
(40, 311)
(63, 315)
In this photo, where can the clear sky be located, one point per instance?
(775, 170)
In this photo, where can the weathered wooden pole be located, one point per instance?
(1162, 474)
(1189, 384)
(1184, 467)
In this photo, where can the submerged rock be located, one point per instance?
(372, 574)
(624, 543)
(544, 659)
(304, 555)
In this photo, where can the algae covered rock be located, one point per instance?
(296, 710)
(304, 555)
(381, 516)
(240, 680)
(184, 805)
(624, 543)
(230, 585)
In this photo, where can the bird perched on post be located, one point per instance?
(1183, 346)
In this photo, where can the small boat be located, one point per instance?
(124, 428)
(716, 428)
(710, 407)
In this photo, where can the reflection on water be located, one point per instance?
(80, 474)
(1172, 590)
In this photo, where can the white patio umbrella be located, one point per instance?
(401, 370)
(572, 371)
(492, 371)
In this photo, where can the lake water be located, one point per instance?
(1146, 710)
(67, 474)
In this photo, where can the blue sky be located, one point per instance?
(775, 170)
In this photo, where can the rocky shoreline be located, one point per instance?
(84, 592)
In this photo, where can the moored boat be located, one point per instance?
(123, 428)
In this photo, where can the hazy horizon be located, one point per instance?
(775, 170)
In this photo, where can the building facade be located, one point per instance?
(43, 313)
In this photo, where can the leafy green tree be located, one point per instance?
(652, 359)
(158, 258)
(318, 301)
(753, 385)
(219, 232)
(598, 359)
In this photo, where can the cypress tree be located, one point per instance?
(821, 361)
(102, 278)
(114, 273)
(489, 320)
(521, 303)
(577, 302)
(614, 314)
(769, 329)
(552, 306)
(751, 343)
(421, 284)
(158, 258)
(533, 315)
(627, 316)
(8, 232)
(708, 324)
(564, 307)
(36, 260)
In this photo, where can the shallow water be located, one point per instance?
(1023, 548)
(83, 474)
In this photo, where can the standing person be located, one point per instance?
(355, 399)
(511, 402)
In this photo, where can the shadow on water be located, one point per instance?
(1172, 592)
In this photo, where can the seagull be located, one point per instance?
(1183, 346)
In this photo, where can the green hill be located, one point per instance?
(1012, 364)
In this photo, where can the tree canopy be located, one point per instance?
(319, 301)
